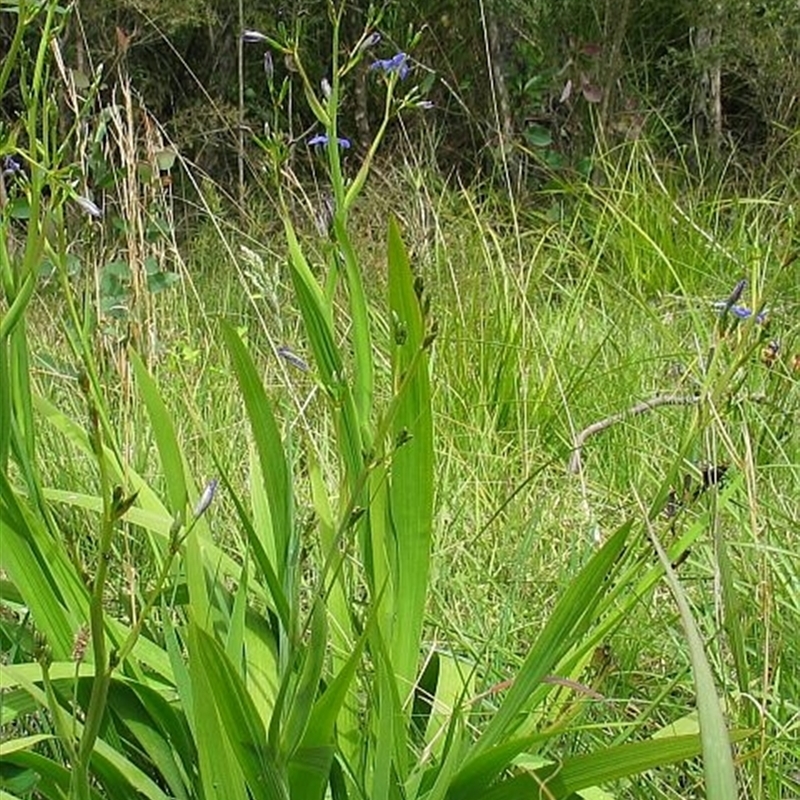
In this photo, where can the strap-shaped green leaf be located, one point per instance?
(717, 754)
(308, 685)
(411, 479)
(363, 380)
(166, 441)
(316, 315)
(267, 438)
(241, 724)
(41, 572)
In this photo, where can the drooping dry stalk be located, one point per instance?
(575, 464)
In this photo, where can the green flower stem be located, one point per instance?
(334, 156)
(6, 274)
(82, 348)
(79, 788)
(67, 737)
(358, 182)
(11, 57)
(175, 545)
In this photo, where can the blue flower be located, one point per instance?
(10, 166)
(740, 312)
(745, 313)
(398, 64)
(321, 139)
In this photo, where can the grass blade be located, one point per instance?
(717, 754)
(572, 775)
(559, 634)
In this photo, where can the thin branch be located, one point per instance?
(575, 465)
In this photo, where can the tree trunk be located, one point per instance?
(707, 111)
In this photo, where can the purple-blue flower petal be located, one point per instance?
(321, 139)
(740, 312)
(397, 63)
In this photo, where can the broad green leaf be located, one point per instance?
(156, 520)
(114, 768)
(41, 571)
(23, 743)
(259, 503)
(308, 685)
(411, 464)
(261, 664)
(166, 441)
(241, 724)
(319, 329)
(453, 751)
(6, 796)
(13, 675)
(337, 602)
(342, 637)
(390, 722)
(311, 764)
(109, 764)
(563, 779)
(168, 717)
(234, 646)
(261, 558)
(54, 779)
(455, 680)
(222, 777)
(5, 395)
(484, 769)
(160, 749)
(316, 316)
(181, 676)
(274, 468)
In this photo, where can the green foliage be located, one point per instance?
(315, 632)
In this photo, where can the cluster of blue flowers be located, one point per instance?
(398, 64)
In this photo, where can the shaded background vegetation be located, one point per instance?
(538, 82)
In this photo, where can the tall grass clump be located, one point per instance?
(290, 655)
